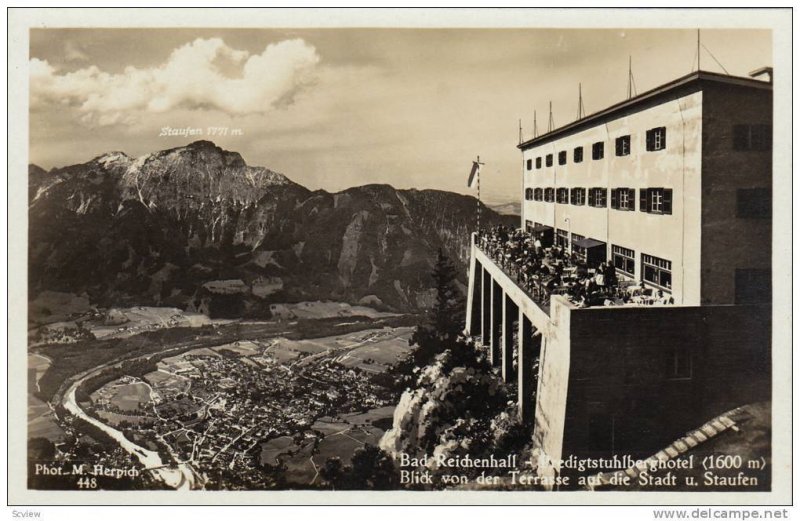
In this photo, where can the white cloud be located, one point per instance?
(203, 74)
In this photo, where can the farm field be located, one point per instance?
(372, 350)
(341, 437)
(41, 420)
(318, 309)
(379, 354)
(121, 322)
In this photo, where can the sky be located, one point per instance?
(334, 108)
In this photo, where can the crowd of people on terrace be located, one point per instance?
(557, 271)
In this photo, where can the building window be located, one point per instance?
(597, 197)
(562, 157)
(528, 225)
(562, 238)
(657, 271)
(579, 251)
(538, 163)
(623, 145)
(548, 160)
(577, 155)
(624, 260)
(656, 139)
(529, 164)
(562, 196)
(597, 150)
(678, 363)
(549, 195)
(537, 194)
(623, 199)
(578, 196)
(529, 194)
(752, 137)
(753, 203)
(655, 200)
(753, 286)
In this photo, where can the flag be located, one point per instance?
(474, 173)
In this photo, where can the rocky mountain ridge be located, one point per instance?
(197, 228)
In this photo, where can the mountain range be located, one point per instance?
(195, 227)
(514, 208)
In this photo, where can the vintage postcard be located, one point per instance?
(400, 257)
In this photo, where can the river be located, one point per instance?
(180, 477)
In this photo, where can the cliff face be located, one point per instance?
(159, 228)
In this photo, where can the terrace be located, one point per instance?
(543, 272)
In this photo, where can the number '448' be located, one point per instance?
(87, 483)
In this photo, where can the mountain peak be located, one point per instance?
(199, 171)
(206, 152)
(202, 143)
(112, 158)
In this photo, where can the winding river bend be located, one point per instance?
(178, 477)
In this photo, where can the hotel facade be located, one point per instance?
(674, 187)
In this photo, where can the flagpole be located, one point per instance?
(478, 173)
(475, 181)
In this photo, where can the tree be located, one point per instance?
(447, 315)
(373, 469)
(445, 320)
(41, 449)
(333, 472)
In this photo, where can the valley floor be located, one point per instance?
(233, 406)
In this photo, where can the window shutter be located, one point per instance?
(651, 140)
(615, 198)
(603, 195)
(631, 199)
(668, 201)
(643, 199)
(591, 196)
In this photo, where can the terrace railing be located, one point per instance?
(533, 285)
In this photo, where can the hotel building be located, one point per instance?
(674, 186)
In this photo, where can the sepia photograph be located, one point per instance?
(533, 258)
